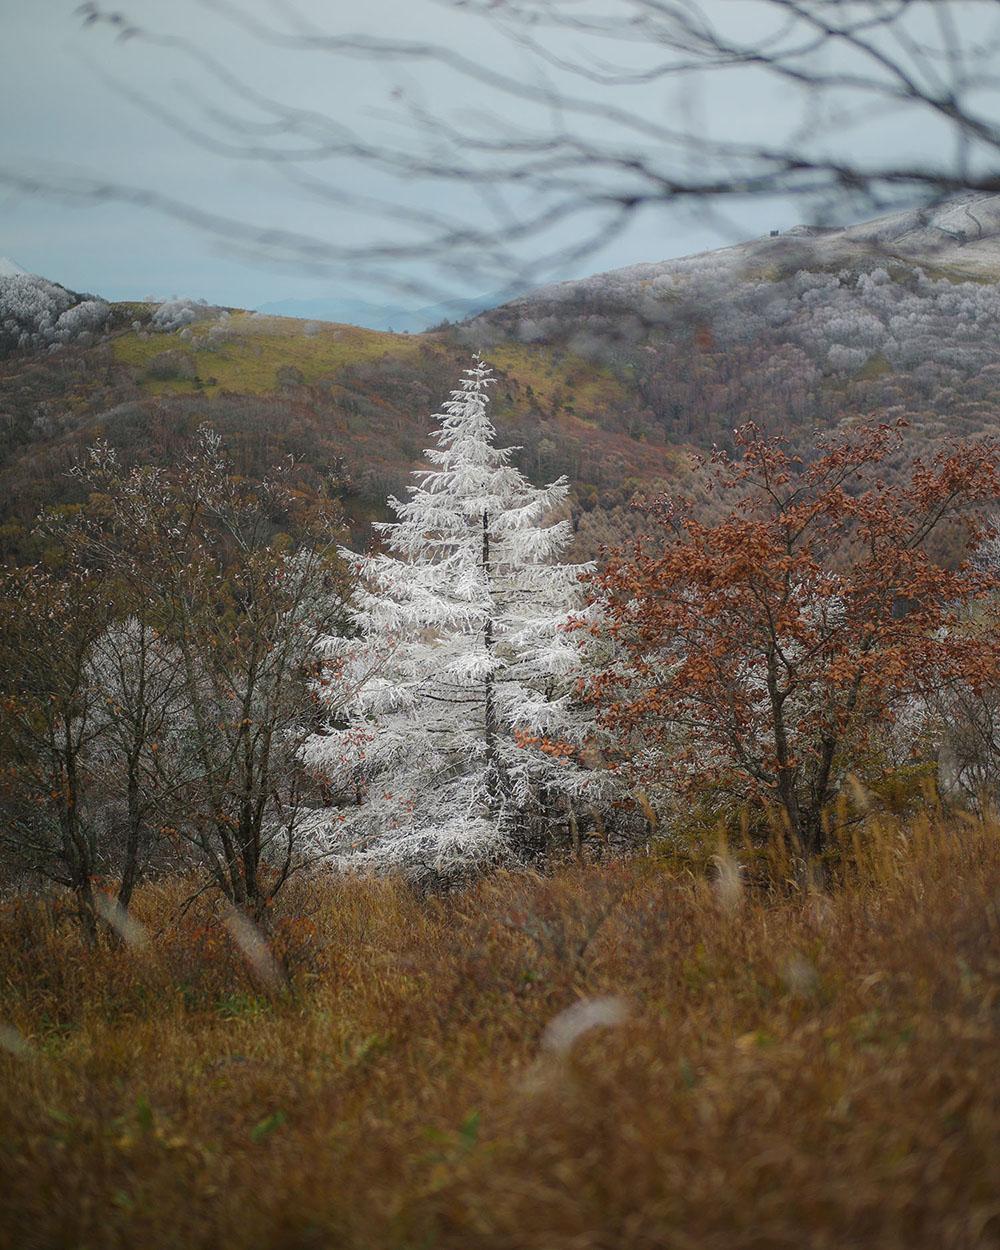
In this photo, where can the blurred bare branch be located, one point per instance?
(580, 115)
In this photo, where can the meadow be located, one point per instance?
(666, 1051)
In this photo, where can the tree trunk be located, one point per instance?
(497, 781)
(86, 905)
(133, 842)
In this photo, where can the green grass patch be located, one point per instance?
(246, 357)
(558, 378)
(874, 367)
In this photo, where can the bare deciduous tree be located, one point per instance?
(157, 681)
(49, 726)
(137, 760)
(241, 580)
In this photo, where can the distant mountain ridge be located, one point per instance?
(960, 237)
(912, 295)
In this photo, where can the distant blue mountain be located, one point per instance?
(382, 316)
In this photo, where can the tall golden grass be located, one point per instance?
(631, 1056)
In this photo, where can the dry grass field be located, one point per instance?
(764, 1068)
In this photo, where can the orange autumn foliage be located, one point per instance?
(763, 654)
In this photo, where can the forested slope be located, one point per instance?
(612, 380)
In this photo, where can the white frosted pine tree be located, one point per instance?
(461, 675)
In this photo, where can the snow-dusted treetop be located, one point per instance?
(36, 313)
(460, 652)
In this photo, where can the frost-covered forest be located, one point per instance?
(841, 320)
(36, 313)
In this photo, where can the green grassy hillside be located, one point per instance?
(248, 356)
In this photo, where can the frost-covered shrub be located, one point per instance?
(846, 359)
(82, 320)
(175, 314)
(217, 336)
(36, 313)
(532, 331)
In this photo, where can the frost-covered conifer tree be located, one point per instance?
(461, 674)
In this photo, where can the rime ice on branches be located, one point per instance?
(461, 673)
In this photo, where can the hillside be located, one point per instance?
(898, 316)
(351, 405)
(612, 380)
(960, 238)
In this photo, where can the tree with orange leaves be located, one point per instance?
(764, 654)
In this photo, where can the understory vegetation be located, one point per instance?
(664, 1052)
(200, 680)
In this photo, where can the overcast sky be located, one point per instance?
(68, 106)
